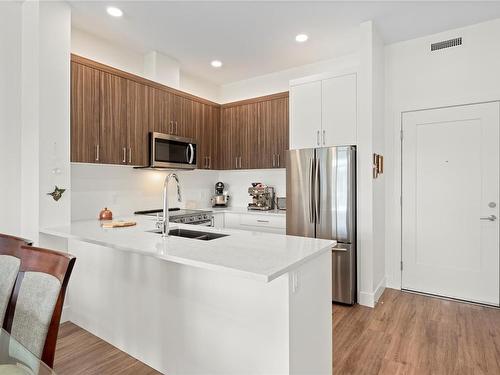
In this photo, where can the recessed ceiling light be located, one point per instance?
(114, 11)
(301, 38)
(216, 63)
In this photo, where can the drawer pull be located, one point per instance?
(262, 221)
(339, 249)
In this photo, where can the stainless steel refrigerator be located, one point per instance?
(321, 203)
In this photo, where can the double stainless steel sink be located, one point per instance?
(193, 234)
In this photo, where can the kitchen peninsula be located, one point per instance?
(245, 303)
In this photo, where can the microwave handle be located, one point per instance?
(190, 150)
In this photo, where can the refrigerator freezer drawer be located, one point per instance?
(344, 274)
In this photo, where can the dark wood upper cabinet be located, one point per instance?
(185, 119)
(113, 112)
(160, 111)
(229, 149)
(85, 101)
(113, 129)
(273, 132)
(138, 126)
(248, 126)
(254, 133)
(207, 135)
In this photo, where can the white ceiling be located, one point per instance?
(255, 38)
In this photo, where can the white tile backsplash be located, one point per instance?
(125, 190)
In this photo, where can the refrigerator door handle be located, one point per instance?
(317, 191)
(311, 190)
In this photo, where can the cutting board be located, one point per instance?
(118, 224)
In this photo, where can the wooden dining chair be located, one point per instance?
(9, 268)
(35, 307)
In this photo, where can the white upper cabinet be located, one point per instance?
(305, 115)
(339, 111)
(323, 112)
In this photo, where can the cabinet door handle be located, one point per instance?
(176, 130)
(489, 218)
(317, 137)
(240, 162)
(209, 162)
(236, 159)
(324, 136)
(124, 155)
(171, 128)
(97, 152)
(278, 160)
(274, 160)
(130, 155)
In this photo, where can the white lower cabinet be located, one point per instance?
(271, 223)
(219, 220)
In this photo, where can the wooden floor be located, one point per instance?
(405, 334)
(79, 352)
(413, 334)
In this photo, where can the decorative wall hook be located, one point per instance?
(57, 193)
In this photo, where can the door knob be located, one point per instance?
(489, 218)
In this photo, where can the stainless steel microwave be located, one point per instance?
(170, 151)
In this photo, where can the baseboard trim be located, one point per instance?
(366, 299)
(371, 299)
(380, 289)
(65, 316)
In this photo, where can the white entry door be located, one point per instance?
(450, 197)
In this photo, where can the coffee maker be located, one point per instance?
(262, 197)
(220, 198)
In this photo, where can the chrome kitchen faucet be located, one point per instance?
(163, 222)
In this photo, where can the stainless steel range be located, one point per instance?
(177, 215)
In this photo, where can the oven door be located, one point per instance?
(170, 151)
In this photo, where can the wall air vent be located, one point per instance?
(446, 44)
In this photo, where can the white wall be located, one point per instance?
(162, 69)
(279, 81)
(125, 190)
(98, 49)
(419, 79)
(54, 112)
(153, 65)
(30, 115)
(365, 252)
(199, 87)
(10, 117)
(34, 115)
(378, 146)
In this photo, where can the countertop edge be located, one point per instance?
(203, 265)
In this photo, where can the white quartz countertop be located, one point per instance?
(255, 255)
(244, 210)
